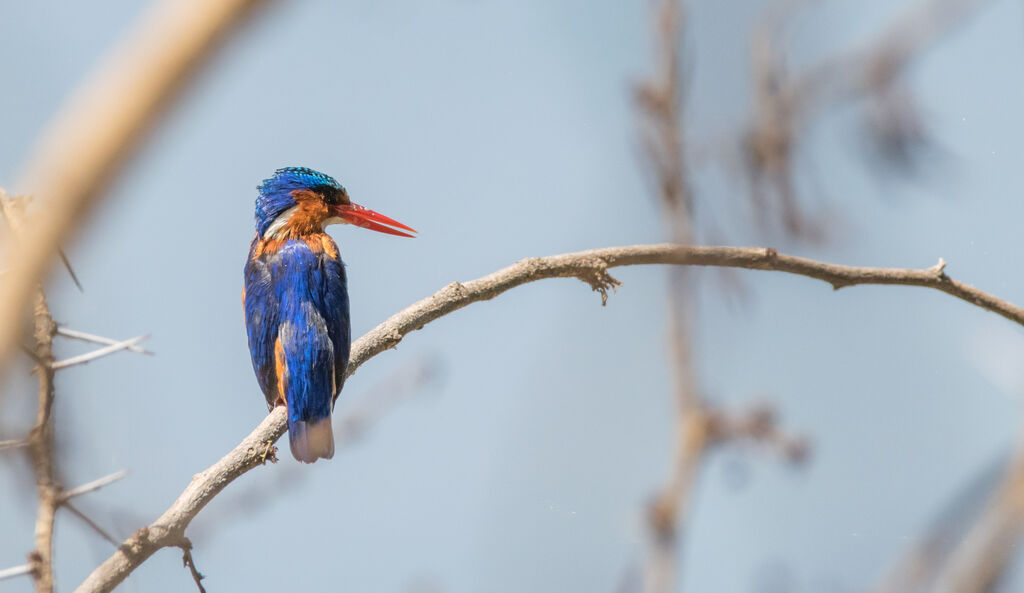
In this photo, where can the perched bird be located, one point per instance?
(296, 300)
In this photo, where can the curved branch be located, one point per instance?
(589, 266)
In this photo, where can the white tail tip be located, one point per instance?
(311, 440)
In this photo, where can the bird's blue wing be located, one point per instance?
(262, 319)
(335, 311)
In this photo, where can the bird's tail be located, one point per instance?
(311, 440)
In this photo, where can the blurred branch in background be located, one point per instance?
(590, 267)
(398, 387)
(787, 105)
(985, 552)
(758, 425)
(99, 126)
(919, 568)
(661, 108)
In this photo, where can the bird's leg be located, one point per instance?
(269, 454)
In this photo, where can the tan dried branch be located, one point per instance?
(589, 266)
(89, 140)
(40, 447)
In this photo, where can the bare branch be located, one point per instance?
(589, 266)
(99, 353)
(40, 446)
(15, 571)
(93, 486)
(190, 563)
(84, 337)
(89, 140)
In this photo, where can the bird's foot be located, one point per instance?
(269, 454)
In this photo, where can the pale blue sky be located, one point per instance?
(502, 130)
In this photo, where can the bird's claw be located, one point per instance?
(269, 454)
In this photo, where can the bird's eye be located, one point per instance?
(329, 194)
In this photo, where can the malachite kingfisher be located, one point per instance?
(296, 300)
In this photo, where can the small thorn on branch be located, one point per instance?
(16, 571)
(71, 271)
(597, 276)
(84, 337)
(93, 486)
(92, 524)
(939, 269)
(91, 356)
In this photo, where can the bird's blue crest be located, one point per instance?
(276, 192)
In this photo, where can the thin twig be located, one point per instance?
(84, 337)
(190, 563)
(93, 485)
(71, 271)
(92, 524)
(14, 222)
(98, 353)
(589, 266)
(15, 571)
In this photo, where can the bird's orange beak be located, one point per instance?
(368, 219)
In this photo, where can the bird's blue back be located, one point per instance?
(298, 297)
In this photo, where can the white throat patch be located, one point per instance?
(279, 222)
